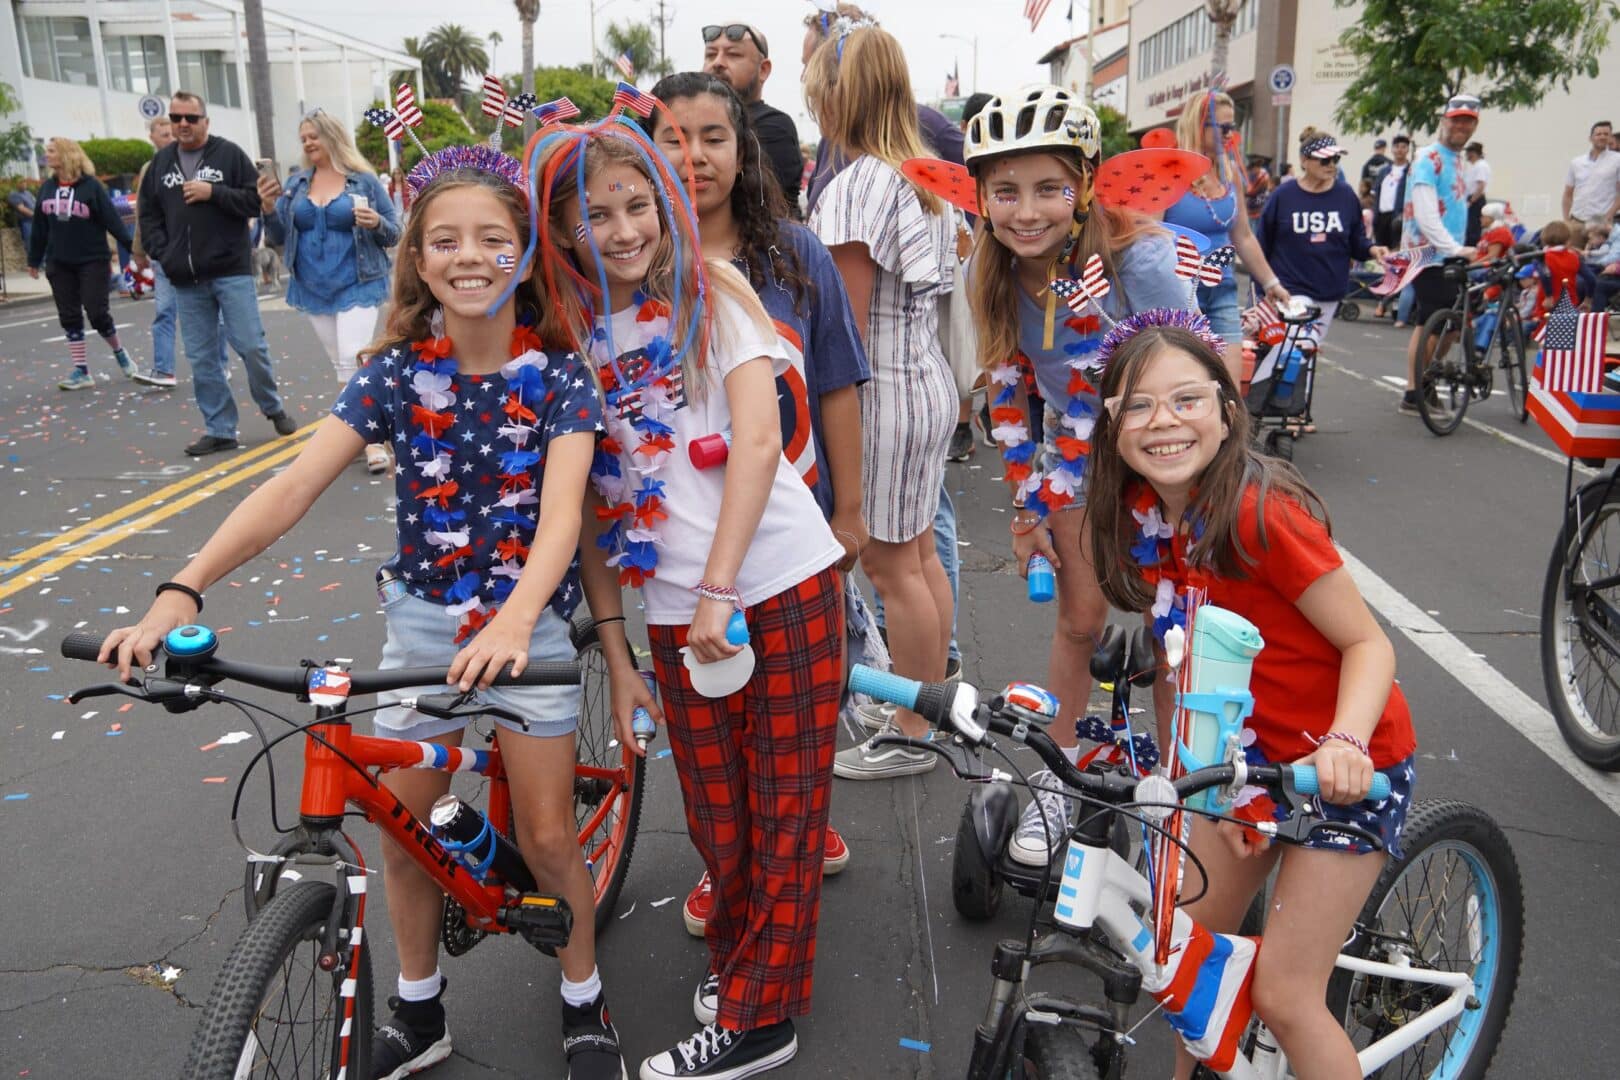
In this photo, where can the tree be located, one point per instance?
(441, 126)
(259, 77)
(16, 141)
(528, 11)
(455, 52)
(1415, 54)
(640, 41)
(494, 40)
(1223, 13)
(435, 84)
(1116, 135)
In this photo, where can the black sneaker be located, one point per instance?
(591, 1043)
(718, 1053)
(961, 447)
(985, 426)
(416, 1038)
(284, 424)
(210, 444)
(706, 999)
(1409, 404)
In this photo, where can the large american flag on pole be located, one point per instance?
(1572, 349)
(1034, 10)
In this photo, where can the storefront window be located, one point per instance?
(58, 50)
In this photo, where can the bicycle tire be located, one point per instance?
(596, 743)
(1570, 650)
(976, 886)
(1443, 386)
(1510, 343)
(283, 941)
(1057, 1052)
(1489, 917)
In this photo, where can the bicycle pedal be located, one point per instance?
(546, 922)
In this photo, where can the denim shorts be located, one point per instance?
(421, 634)
(1219, 303)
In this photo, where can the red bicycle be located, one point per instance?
(294, 998)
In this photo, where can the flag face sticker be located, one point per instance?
(580, 232)
(1572, 351)
(506, 261)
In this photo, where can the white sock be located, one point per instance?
(420, 989)
(579, 994)
(1072, 753)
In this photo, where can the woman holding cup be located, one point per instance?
(336, 222)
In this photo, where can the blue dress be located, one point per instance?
(1213, 218)
(325, 275)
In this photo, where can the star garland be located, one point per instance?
(433, 378)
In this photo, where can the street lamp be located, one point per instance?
(595, 7)
(974, 41)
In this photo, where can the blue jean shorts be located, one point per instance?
(1219, 303)
(422, 634)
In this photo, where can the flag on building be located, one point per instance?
(1572, 350)
(628, 97)
(1034, 10)
(622, 62)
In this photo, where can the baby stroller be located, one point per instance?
(1361, 282)
(1279, 392)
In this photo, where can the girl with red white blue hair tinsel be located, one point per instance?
(493, 436)
(684, 352)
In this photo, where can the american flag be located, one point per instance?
(1091, 288)
(405, 105)
(1262, 323)
(517, 108)
(385, 119)
(494, 97)
(554, 112)
(1034, 10)
(1187, 260)
(628, 97)
(1402, 266)
(1213, 269)
(1094, 277)
(1572, 351)
(328, 686)
(622, 62)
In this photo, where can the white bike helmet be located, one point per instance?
(1037, 117)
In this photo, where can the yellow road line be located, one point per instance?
(169, 491)
(284, 452)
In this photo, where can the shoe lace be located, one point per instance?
(1054, 807)
(707, 1043)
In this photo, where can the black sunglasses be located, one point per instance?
(1228, 128)
(1334, 160)
(185, 117)
(734, 32)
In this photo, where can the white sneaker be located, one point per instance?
(155, 378)
(1028, 845)
(869, 762)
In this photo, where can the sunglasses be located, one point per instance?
(186, 118)
(734, 32)
(1334, 160)
(1228, 128)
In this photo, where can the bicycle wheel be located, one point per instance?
(1057, 1052)
(608, 779)
(1444, 386)
(274, 1012)
(1580, 618)
(1510, 356)
(1454, 903)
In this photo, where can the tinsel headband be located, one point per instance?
(1179, 318)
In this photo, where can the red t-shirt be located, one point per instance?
(1296, 676)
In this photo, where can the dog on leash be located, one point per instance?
(267, 266)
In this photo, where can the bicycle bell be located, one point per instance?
(1029, 703)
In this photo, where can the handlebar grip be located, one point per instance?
(1305, 783)
(82, 646)
(885, 686)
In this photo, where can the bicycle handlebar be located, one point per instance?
(295, 680)
(933, 701)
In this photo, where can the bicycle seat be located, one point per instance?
(1109, 658)
(1142, 664)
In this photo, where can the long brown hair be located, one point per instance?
(1219, 497)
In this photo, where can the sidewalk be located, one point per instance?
(22, 290)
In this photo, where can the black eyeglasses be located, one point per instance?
(186, 118)
(1228, 128)
(734, 32)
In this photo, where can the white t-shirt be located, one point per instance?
(1595, 182)
(1390, 188)
(1478, 177)
(793, 541)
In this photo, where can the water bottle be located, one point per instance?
(1042, 582)
(1217, 701)
(707, 451)
(465, 832)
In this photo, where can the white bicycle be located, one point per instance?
(1424, 984)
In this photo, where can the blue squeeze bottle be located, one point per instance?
(737, 629)
(1042, 582)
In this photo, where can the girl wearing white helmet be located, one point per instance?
(1034, 155)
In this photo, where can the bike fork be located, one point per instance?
(1008, 966)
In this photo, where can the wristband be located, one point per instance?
(175, 586)
(1034, 523)
(607, 619)
(1272, 284)
(1342, 736)
(725, 594)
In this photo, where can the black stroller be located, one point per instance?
(1279, 394)
(1361, 282)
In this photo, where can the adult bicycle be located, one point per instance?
(1462, 346)
(1424, 984)
(294, 998)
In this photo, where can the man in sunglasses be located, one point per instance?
(737, 53)
(196, 200)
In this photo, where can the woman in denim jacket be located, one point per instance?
(336, 221)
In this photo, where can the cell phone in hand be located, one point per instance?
(361, 202)
(265, 166)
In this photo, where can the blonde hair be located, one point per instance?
(858, 89)
(338, 143)
(71, 161)
(993, 290)
(1198, 117)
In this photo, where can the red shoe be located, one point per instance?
(699, 903)
(836, 853)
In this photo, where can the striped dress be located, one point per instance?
(908, 408)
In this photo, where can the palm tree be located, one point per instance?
(528, 12)
(455, 52)
(259, 69)
(638, 41)
(495, 40)
(1223, 13)
(434, 82)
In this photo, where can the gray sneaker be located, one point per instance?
(869, 762)
(1028, 845)
(875, 716)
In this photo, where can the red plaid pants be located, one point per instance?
(756, 771)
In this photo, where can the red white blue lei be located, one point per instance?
(1055, 488)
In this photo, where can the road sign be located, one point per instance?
(1282, 99)
(151, 107)
(1282, 79)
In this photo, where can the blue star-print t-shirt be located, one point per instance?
(377, 404)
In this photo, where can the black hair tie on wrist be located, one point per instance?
(175, 586)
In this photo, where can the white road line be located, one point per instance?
(29, 322)
(63, 337)
(1399, 384)
(1495, 691)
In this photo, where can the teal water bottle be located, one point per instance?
(1217, 701)
(1042, 583)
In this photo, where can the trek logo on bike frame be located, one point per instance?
(424, 839)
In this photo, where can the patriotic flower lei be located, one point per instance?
(639, 407)
(1056, 488)
(433, 378)
(1160, 550)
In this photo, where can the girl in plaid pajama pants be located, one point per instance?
(682, 350)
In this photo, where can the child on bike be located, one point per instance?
(1179, 500)
(684, 350)
(1034, 155)
(495, 440)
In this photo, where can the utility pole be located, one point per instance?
(259, 91)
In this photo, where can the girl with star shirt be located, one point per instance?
(493, 439)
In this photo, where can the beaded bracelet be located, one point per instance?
(725, 594)
(1342, 736)
(1034, 524)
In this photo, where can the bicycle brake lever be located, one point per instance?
(454, 705)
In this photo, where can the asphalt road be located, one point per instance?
(122, 892)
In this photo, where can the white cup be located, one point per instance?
(361, 202)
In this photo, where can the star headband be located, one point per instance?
(1179, 318)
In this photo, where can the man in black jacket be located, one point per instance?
(738, 54)
(195, 201)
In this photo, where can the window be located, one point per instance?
(207, 73)
(58, 50)
(135, 65)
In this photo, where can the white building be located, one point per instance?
(82, 67)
